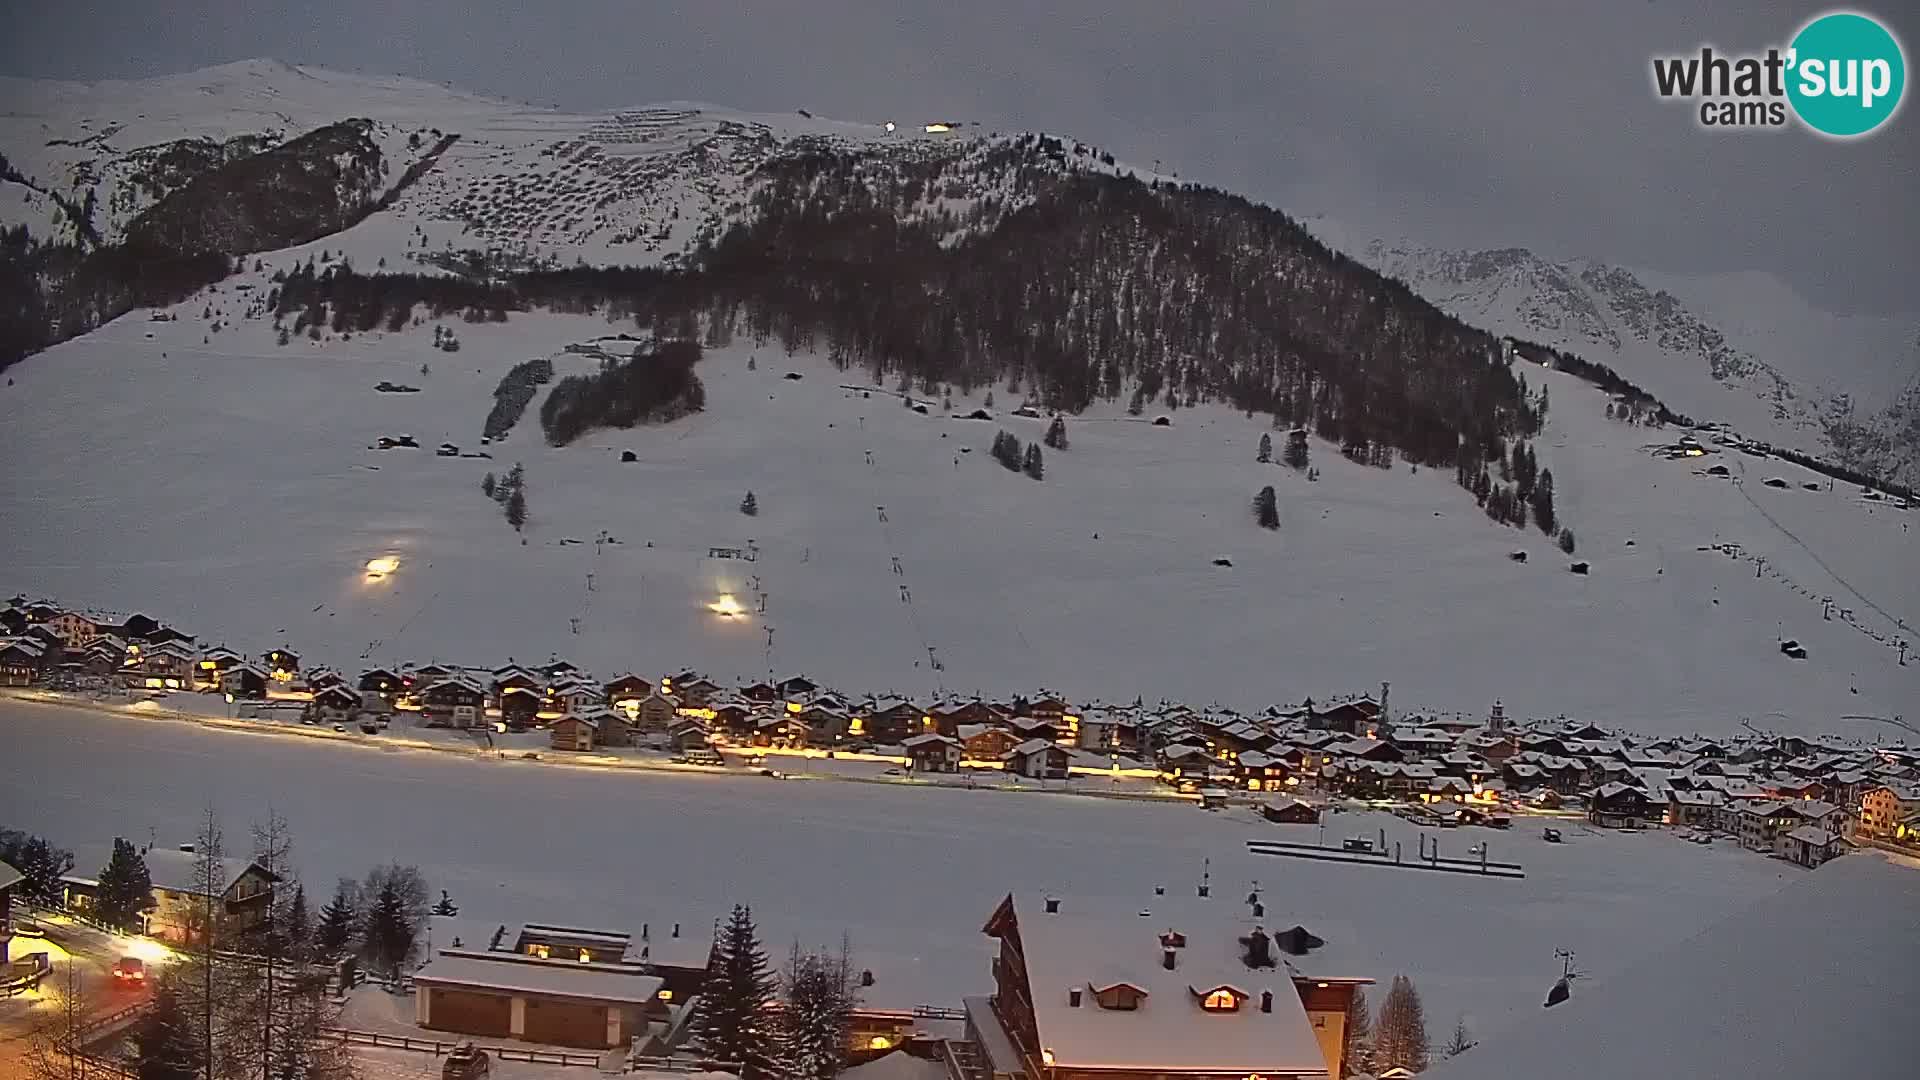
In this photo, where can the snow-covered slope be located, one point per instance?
(229, 485)
(200, 470)
(1743, 348)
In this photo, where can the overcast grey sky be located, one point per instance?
(1468, 122)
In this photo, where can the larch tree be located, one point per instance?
(1056, 438)
(820, 992)
(1035, 467)
(517, 509)
(164, 1046)
(1265, 453)
(1359, 1055)
(750, 506)
(1400, 1034)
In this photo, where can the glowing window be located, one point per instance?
(1221, 1000)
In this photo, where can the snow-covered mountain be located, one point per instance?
(1742, 348)
(212, 463)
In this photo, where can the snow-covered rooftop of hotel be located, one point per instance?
(1168, 1030)
(1805, 983)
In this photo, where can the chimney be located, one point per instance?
(643, 931)
(1159, 890)
(866, 977)
(676, 929)
(1073, 998)
(1053, 905)
(1266, 1001)
(1259, 910)
(1168, 958)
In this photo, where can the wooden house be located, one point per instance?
(983, 742)
(1258, 771)
(455, 702)
(798, 688)
(656, 712)
(578, 732)
(628, 689)
(733, 718)
(572, 693)
(282, 664)
(212, 664)
(333, 705)
(385, 682)
(687, 734)
(23, 661)
(933, 752)
(1039, 760)
(693, 689)
(761, 692)
(891, 720)
(1620, 806)
(825, 725)
(245, 681)
(1290, 812)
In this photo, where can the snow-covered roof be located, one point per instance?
(1812, 834)
(169, 868)
(9, 877)
(1710, 1006)
(1168, 1030)
(1031, 746)
(511, 972)
(898, 1065)
(928, 739)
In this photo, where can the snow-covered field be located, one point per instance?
(229, 487)
(911, 874)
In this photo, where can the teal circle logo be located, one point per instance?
(1846, 76)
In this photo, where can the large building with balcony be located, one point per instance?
(1203, 989)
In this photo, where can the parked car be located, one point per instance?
(1551, 836)
(1357, 843)
(466, 1062)
(29, 929)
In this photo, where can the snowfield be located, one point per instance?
(229, 487)
(911, 874)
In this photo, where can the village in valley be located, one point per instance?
(1806, 799)
(624, 994)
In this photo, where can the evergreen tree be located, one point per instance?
(1543, 512)
(1462, 1040)
(1295, 455)
(42, 865)
(1400, 1034)
(517, 509)
(164, 1047)
(989, 402)
(388, 935)
(1266, 509)
(1359, 1055)
(1007, 451)
(1056, 437)
(297, 925)
(752, 363)
(749, 505)
(1566, 541)
(1265, 453)
(486, 485)
(732, 1022)
(126, 889)
(337, 920)
(821, 991)
(1035, 467)
(446, 906)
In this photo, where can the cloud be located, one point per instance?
(1471, 123)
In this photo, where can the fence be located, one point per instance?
(441, 1049)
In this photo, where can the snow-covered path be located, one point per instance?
(910, 874)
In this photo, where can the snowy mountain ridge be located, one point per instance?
(1740, 348)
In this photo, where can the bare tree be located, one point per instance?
(53, 1051)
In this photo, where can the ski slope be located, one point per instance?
(229, 486)
(909, 873)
